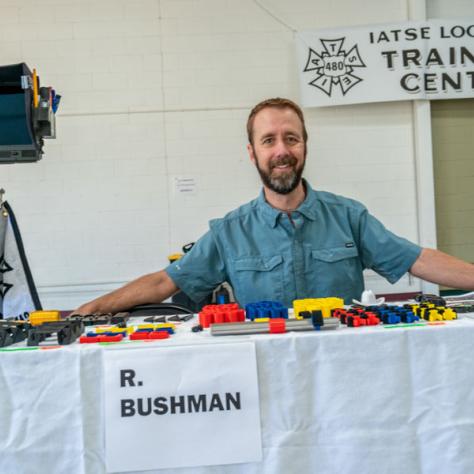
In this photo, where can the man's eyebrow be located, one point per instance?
(285, 134)
(267, 135)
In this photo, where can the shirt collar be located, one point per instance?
(307, 208)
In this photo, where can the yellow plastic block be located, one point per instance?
(449, 314)
(261, 320)
(145, 326)
(164, 325)
(101, 330)
(155, 326)
(39, 317)
(434, 315)
(325, 305)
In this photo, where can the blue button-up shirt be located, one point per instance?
(320, 251)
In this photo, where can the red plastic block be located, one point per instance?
(158, 335)
(219, 317)
(100, 338)
(372, 320)
(88, 339)
(205, 319)
(353, 321)
(236, 315)
(277, 325)
(339, 312)
(146, 336)
(138, 336)
(116, 338)
(220, 313)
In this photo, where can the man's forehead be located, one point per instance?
(270, 117)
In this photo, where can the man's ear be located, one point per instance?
(251, 153)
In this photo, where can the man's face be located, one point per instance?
(278, 149)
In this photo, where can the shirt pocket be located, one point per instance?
(336, 271)
(258, 278)
(335, 254)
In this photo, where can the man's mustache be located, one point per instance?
(284, 160)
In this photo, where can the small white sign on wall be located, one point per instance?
(181, 407)
(184, 186)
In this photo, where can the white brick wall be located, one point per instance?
(157, 89)
(452, 9)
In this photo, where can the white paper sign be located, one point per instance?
(181, 406)
(414, 60)
(185, 185)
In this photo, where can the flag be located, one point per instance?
(18, 295)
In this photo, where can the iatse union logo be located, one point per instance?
(334, 66)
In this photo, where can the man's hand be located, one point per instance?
(443, 269)
(86, 308)
(152, 288)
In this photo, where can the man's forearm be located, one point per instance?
(443, 269)
(152, 288)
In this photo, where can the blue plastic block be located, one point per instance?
(250, 311)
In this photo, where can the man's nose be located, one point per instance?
(281, 148)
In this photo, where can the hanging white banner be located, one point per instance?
(181, 406)
(18, 295)
(414, 60)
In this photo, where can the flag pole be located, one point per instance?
(2, 207)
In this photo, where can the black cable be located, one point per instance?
(158, 309)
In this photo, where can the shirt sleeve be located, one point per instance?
(384, 252)
(199, 271)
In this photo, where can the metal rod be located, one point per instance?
(228, 329)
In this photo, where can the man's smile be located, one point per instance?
(284, 164)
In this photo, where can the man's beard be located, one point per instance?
(285, 182)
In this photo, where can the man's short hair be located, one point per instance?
(278, 103)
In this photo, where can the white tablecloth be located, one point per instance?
(362, 401)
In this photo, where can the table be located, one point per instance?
(355, 400)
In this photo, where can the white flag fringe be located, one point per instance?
(18, 295)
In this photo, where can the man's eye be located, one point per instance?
(267, 141)
(292, 140)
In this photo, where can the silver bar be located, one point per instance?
(246, 328)
(289, 323)
(227, 329)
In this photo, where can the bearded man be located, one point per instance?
(291, 242)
